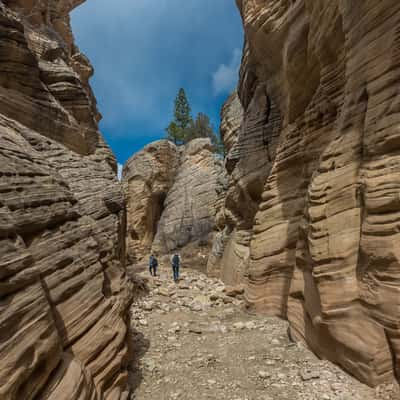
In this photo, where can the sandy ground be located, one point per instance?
(192, 341)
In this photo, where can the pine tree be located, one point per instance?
(183, 129)
(178, 129)
(182, 110)
(174, 133)
(201, 128)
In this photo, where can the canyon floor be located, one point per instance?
(194, 341)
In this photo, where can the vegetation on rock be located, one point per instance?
(183, 128)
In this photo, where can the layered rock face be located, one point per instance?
(63, 291)
(147, 178)
(194, 199)
(231, 120)
(173, 195)
(250, 133)
(324, 244)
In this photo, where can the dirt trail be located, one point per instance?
(192, 341)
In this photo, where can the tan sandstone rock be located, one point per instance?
(324, 249)
(194, 199)
(250, 134)
(173, 195)
(64, 295)
(147, 178)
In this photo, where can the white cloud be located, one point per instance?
(225, 78)
(119, 174)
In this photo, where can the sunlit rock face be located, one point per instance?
(173, 195)
(193, 200)
(324, 249)
(63, 291)
(147, 178)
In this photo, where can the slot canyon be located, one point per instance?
(290, 282)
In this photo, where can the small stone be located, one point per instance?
(196, 307)
(150, 365)
(213, 328)
(263, 374)
(227, 300)
(163, 292)
(250, 325)
(165, 307)
(195, 329)
(183, 286)
(148, 306)
(234, 291)
(214, 297)
(239, 325)
(223, 329)
(309, 375)
(336, 387)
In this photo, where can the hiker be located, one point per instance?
(175, 262)
(153, 264)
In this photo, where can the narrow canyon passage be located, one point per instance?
(192, 340)
(296, 200)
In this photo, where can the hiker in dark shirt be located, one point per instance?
(153, 264)
(175, 262)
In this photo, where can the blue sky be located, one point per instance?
(143, 51)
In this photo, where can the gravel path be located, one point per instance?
(193, 341)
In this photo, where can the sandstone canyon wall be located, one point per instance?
(249, 134)
(173, 195)
(319, 89)
(63, 291)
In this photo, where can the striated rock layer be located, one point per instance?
(147, 178)
(173, 196)
(63, 291)
(250, 133)
(193, 200)
(324, 241)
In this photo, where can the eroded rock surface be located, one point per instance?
(194, 199)
(147, 178)
(173, 196)
(63, 291)
(249, 132)
(322, 78)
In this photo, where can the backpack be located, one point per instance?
(175, 260)
(154, 262)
